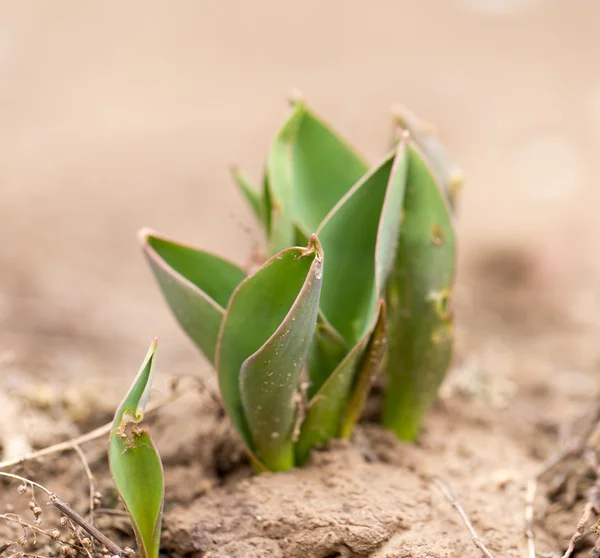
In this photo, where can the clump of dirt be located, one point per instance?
(374, 497)
(338, 506)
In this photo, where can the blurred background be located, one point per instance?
(118, 115)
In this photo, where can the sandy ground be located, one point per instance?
(116, 116)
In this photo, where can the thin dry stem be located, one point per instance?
(449, 495)
(90, 477)
(90, 529)
(574, 449)
(26, 481)
(14, 518)
(79, 539)
(83, 439)
(529, 502)
(580, 531)
(64, 508)
(26, 555)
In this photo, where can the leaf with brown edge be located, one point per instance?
(310, 168)
(325, 410)
(369, 368)
(263, 342)
(419, 301)
(135, 465)
(447, 170)
(359, 237)
(335, 408)
(327, 350)
(197, 286)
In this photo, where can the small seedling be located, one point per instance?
(135, 464)
(136, 470)
(297, 344)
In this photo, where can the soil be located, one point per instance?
(495, 422)
(136, 127)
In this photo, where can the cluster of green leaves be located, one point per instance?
(135, 464)
(310, 172)
(359, 255)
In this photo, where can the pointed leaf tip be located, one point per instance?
(310, 167)
(197, 286)
(253, 195)
(137, 397)
(295, 97)
(144, 233)
(359, 236)
(314, 245)
(448, 172)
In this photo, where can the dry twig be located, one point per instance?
(580, 531)
(65, 509)
(26, 481)
(529, 501)
(79, 539)
(90, 529)
(90, 477)
(574, 449)
(84, 438)
(595, 553)
(448, 494)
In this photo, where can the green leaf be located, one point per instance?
(309, 169)
(268, 202)
(443, 166)
(359, 236)
(390, 219)
(420, 325)
(327, 350)
(263, 307)
(135, 465)
(370, 367)
(270, 377)
(196, 285)
(252, 195)
(336, 407)
(325, 410)
(283, 230)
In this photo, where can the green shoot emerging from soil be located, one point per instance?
(298, 344)
(135, 464)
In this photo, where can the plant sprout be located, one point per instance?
(309, 170)
(358, 256)
(135, 465)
